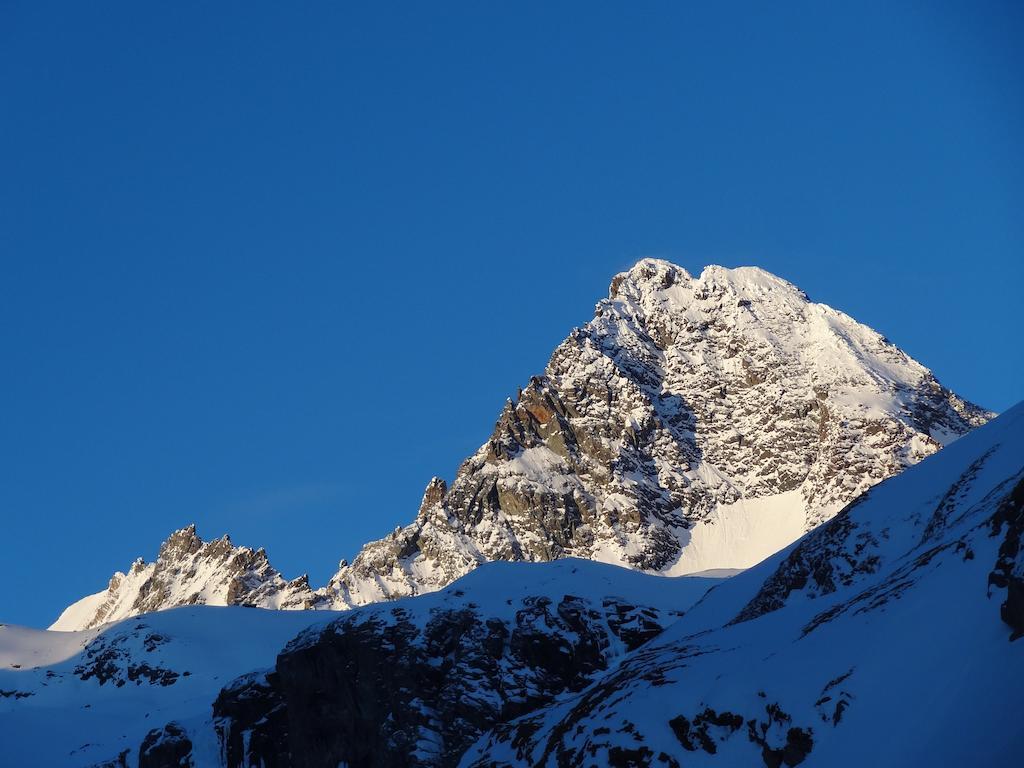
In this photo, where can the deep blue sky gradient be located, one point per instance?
(269, 267)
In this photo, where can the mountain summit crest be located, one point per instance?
(694, 423)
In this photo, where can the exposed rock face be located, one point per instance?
(414, 684)
(1008, 572)
(681, 398)
(252, 721)
(113, 658)
(190, 571)
(167, 747)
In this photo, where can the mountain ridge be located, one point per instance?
(190, 571)
(889, 634)
(694, 423)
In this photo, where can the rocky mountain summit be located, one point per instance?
(695, 423)
(190, 571)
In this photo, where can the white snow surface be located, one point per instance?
(742, 534)
(81, 613)
(29, 649)
(500, 587)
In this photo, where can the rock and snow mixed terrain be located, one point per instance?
(83, 698)
(189, 571)
(104, 695)
(694, 423)
(886, 635)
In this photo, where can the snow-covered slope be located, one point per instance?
(884, 637)
(81, 698)
(27, 648)
(189, 571)
(694, 423)
(106, 694)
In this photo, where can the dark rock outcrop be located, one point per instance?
(167, 747)
(392, 687)
(113, 658)
(1008, 572)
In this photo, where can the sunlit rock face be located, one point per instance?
(190, 571)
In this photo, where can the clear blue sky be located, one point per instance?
(269, 266)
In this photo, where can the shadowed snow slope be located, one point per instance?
(76, 698)
(81, 698)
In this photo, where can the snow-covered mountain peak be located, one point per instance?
(660, 281)
(693, 423)
(647, 276)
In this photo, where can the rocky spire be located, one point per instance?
(188, 571)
